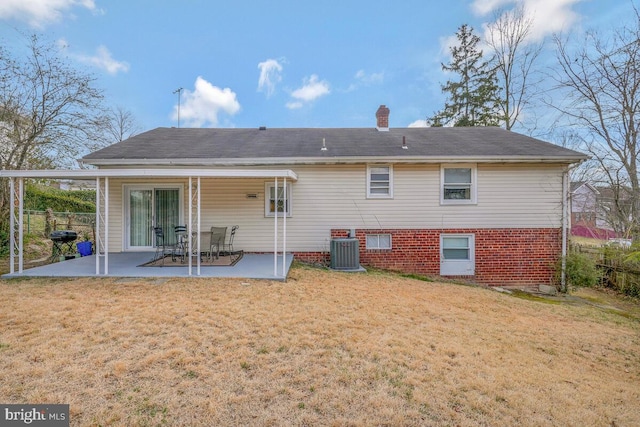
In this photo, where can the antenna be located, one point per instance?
(179, 92)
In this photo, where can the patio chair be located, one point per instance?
(162, 247)
(182, 244)
(217, 241)
(227, 248)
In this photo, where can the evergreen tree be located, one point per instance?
(473, 99)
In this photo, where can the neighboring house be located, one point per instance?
(584, 204)
(76, 184)
(587, 214)
(481, 203)
(615, 207)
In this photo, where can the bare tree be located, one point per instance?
(601, 82)
(120, 125)
(514, 55)
(49, 111)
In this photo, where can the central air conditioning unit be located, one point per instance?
(345, 254)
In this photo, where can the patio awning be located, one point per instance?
(16, 240)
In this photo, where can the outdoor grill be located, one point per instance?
(62, 242)
(63, 236)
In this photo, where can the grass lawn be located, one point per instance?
(323, 348)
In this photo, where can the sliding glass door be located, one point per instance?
(148, 207)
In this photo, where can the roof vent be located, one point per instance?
(404, 143)
(262, 128)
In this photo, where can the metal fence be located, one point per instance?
(44, 222)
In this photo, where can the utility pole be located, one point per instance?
(179, 92)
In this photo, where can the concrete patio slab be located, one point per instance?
(128, 264)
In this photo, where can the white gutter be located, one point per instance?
(272, 161)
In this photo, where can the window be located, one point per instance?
(271, 200)
(378, 241)
(457, 255)
(458, 184)
(379, 181)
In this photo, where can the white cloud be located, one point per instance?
(311, 89)
(483, 7)
(38, 13)
(294, 105)
(421, 123)
(369, 79)
(202, 106)
(103, 60)
(269, 76)
(549, 16)
(364, 79)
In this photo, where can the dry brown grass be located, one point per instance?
(324, 348)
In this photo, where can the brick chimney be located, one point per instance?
(382, 115)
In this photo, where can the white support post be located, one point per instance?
(189, 224)
(102, 226)
(20, 225)
(97, 230)
(106, 225)
(16, 225)
(275, 228)
(198, 248)
(284, 227)
(12, 227)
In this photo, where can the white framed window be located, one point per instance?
(457, 254)
(273, 199)
(379, 181)
(458, 184)
(378, 241)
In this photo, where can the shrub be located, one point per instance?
(580, 270)
(41, 198)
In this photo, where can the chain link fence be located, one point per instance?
(44, 222)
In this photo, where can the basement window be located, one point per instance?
(378, 241)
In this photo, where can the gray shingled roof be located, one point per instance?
(304, 145)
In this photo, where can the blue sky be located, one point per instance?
(277, 63)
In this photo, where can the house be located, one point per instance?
(75, 184)
(615, 210)
(480, 203)
(587, 213)
(584, 207)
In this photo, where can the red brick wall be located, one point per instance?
(503, 257)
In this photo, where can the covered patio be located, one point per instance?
(128, 264)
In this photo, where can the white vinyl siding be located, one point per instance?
(334, 196)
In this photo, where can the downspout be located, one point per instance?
(565, 228)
